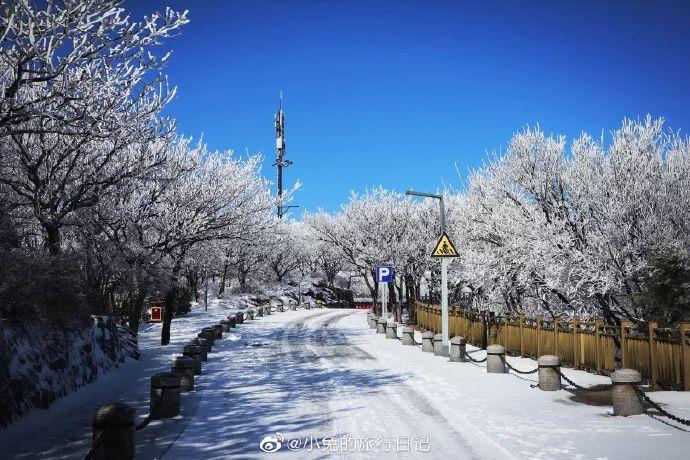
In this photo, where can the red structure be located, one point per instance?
(156, 312)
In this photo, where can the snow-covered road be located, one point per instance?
(322, 383)
(305, 379)
(322, 374)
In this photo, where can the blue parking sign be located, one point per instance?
(384, 273)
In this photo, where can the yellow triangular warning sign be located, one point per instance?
(444, 248)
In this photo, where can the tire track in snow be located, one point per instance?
(387, 402)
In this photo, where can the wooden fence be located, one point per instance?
(662, 355)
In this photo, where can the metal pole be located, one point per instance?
(444, 287)
(444, 304)
(444, 272)
(384, 310)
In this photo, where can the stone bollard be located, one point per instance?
(197, 342)
(165, 395)
(624, 396)
(250, 313)
(391, 330)
(428, 341)
(225, 324)
(209, 333)
(373, 320)
(407, 336)
(549, 378)
(458, 348)
(217, 331)
(194, 352)
(495, 354)
(438, 345)
(239, 317)
(113, 432)
(381, 326)
(205, 345)
(232, 320)
(184, 367)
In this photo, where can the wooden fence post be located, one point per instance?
(556, 327)
(505, 331)
(685, 355)
(576, 347)
(652, 354)
(538, 323)
(624, 344)
(522, 340)
(597, 344)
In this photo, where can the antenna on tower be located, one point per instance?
(280, 154)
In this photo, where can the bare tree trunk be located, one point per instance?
(170, 304)
(53, 237)
(221, 290)
(135, 311)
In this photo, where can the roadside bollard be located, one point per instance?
(113, 432)
(268, 310)
(373, 320)
(623, 393)
(232, 320)
(407, 336)
(438, 345)
(549, 377)
(391, 330)
(239, 318)
(225, 324)
(428, 341)
(209, 333)
(209, 340)
(319, 303)
(217, 331)
(280, 308)
(458, 348)
(293, 307)
(250, 313)
(307, 306)
(194, 352)
(205, 345)
(165, 395)
(495, 354)
(184, 367)
(381, 326)
(259, 312)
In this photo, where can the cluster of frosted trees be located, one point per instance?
(588, 227)
(103, 206)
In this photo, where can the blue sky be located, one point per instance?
(397, 93)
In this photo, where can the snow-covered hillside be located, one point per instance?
(39, 363)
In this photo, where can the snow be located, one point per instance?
(323, 374)
(315, 375)
(64, 430)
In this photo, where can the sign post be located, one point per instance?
(445, 250)
(384, 275)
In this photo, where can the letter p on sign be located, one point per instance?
(384, 273)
